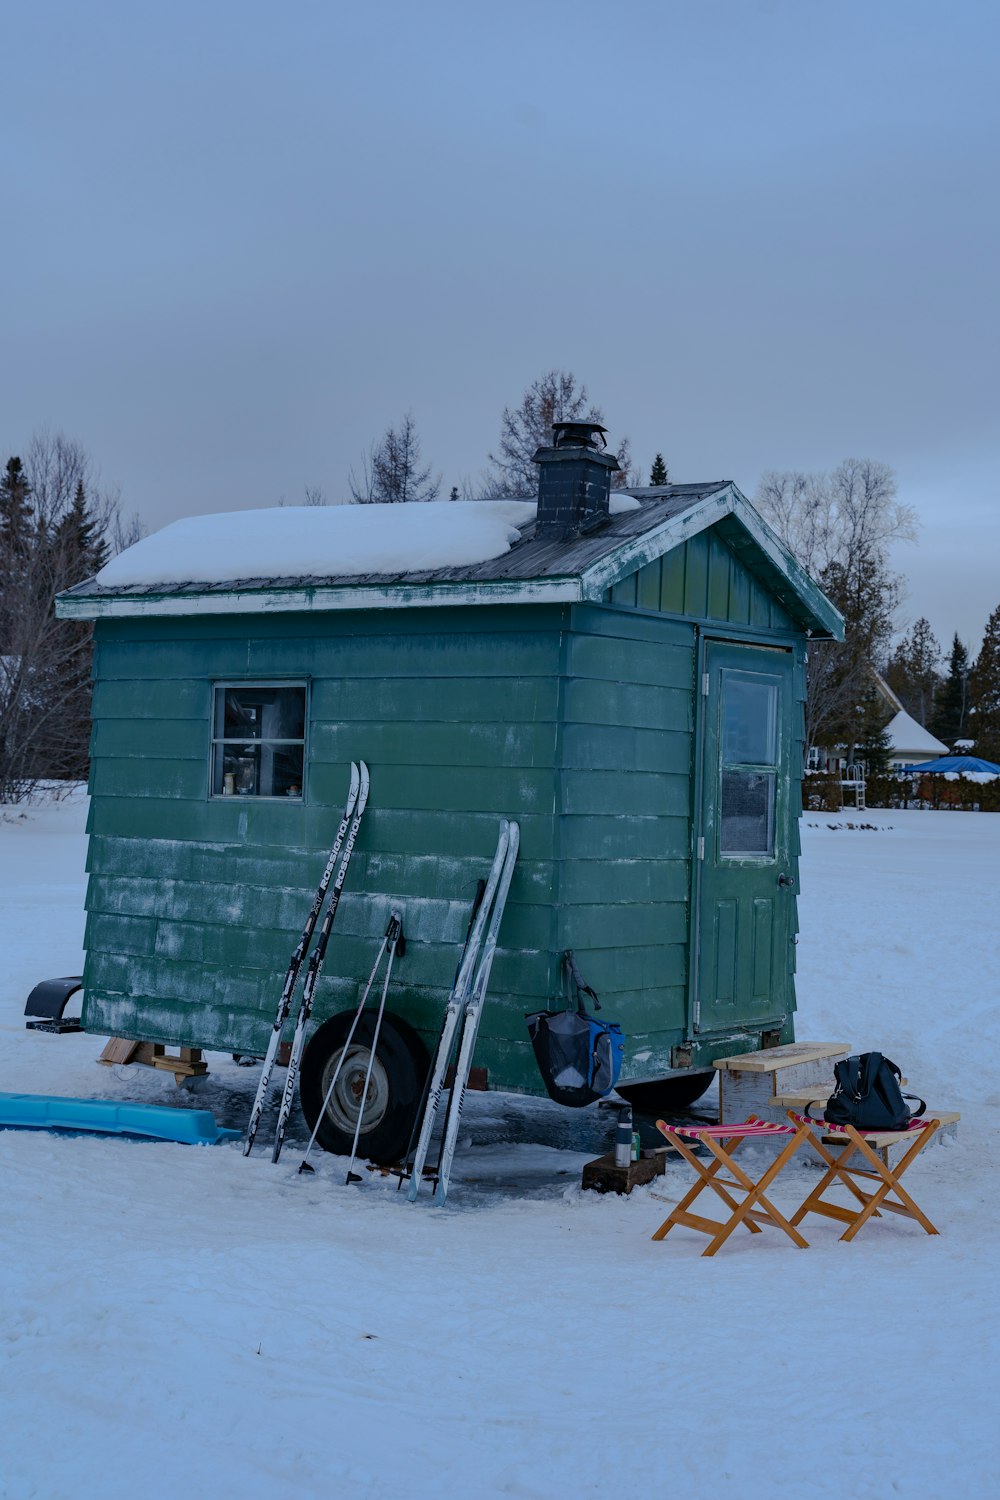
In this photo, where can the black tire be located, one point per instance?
(668, 1096)
(400, 1068)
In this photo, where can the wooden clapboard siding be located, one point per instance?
(458, 721)
(703, 580)
(624, 790)
(578, 720)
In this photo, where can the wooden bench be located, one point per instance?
(751, 1083)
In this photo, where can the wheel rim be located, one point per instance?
(345, 1101)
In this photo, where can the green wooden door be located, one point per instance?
(744, 866)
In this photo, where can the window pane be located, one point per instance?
(259, 735)
(260, 713)
(747, 821)
(749, 720)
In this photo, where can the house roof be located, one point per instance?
(908, 737)
(534, 570)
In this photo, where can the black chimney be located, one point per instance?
(574, 481)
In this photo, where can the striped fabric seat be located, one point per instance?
(845, 1130)
(749, 1127)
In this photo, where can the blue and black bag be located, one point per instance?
(578, 1056)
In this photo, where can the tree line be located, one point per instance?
(392, 471)
(840, 527)
(57, 528)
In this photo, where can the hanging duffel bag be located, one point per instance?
(868, 1095)
(578, 1056)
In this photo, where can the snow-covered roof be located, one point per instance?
(337, 540)
(441, 553)
(908, 737)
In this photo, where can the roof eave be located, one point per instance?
(317, 599)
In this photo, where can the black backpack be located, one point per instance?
(868, 1096)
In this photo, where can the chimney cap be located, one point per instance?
(579, 435)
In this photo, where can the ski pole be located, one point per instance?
(295, 964)
(304, 1163)
(393, 935)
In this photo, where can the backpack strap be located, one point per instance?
(578, 986)
(916, 1113)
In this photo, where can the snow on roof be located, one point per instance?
(906, 735)
(303, 541)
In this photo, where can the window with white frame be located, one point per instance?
(258, 739)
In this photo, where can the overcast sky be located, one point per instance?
(242, 238)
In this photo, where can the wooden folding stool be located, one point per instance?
(872, 1146)
(755, 1209)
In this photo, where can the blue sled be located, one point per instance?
(159, 1122)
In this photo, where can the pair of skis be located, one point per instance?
(347, 833)
(464, 1010)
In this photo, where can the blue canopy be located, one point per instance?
(960, 763)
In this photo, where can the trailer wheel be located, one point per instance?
(394, 1091)
(667, 1096)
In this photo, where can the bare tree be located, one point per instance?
(838, 517)
(553, 397)
(839, 526)
(391, 472)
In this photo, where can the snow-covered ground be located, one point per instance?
(183, 1321)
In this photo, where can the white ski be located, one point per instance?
(315, 966)
(295, 964)
(473, 1016)
(453, 1014)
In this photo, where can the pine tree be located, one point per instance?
(872, 743)
(984, 692)
(912, 671)
(951, 704)
(658, 473)
(840, 679)
(16, 519)
(55, 531)
(81, 550)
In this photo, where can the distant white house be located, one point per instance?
(911, 743)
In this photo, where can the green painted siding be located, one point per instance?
(624, 829)
(195, 903)
(580, 721)
(703, 580)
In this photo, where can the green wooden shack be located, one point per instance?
(627, 683)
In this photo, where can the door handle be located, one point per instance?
(786, 880)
